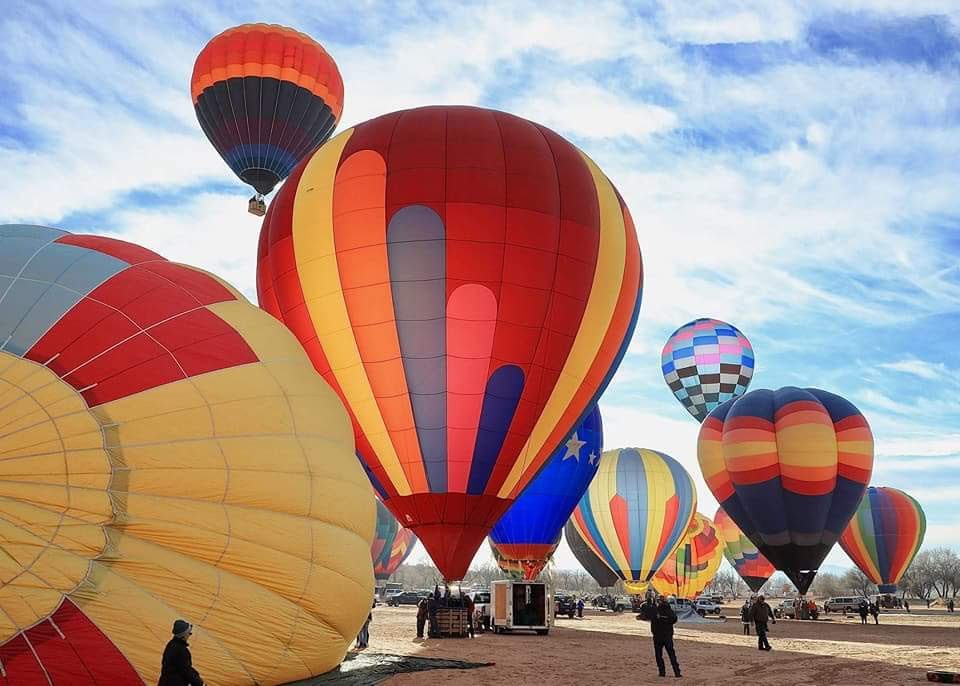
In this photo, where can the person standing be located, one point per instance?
(906, 605)
(177, 664)
(875, 612)
(363, 638)
(863, 609)
(580, 608)
(950, 605)
(422, 611)
(745, 617)
(662, 618)
(761, 613)
(432, 604)
(471, 607)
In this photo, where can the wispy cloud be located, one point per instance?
(921, 368)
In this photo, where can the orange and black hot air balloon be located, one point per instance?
(266, 96)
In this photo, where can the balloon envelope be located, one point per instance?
(169, 452)
(884, 535)
(467, 281)
(265, 96)
(593, 563)
(789, 467)
(742, 554)
(694, 563)
(530, 529)
(392, 544)
(705, 363)
(636, 511)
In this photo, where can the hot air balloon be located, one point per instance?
(595, 566)
(694, 563)
(635, 512)
(467, 281)
(884, 535)
(392, 544)
(789, 467)
(742, 554)
(266, 97)
(158, 432)
(707, 362)
(530, 529)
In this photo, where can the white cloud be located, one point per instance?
(925, 370)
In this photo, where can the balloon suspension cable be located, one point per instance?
(257, 206)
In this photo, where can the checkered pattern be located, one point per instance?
(705, 363)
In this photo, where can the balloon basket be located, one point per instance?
(256, 206)
(452, 622)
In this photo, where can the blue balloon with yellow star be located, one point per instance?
(528, 534)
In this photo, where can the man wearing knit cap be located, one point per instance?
(177, 667)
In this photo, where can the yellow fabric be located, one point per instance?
(313, 206)
(232, 499)
(607, 278)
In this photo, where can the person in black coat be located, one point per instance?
(177, 666)
(863, 609)
(662, 618)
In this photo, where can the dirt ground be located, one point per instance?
(603, 648)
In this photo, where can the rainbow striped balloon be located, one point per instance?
(392, 544)
(742, 554)
(884, 535)
(789, 467)
(635, 512)
(694, 563)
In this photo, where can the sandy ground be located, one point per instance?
(603, 648)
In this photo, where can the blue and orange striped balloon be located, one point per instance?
(884, 535)
(636, 512)
(789, 467)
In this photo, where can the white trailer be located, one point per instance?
(521, 605)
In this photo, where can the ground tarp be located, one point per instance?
(367, 669)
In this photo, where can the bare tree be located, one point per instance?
(826, 585)
(944, 570)
(857, 582)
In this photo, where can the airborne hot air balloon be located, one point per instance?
(530, 529)
(266, 96)
(595, 566)
(467, 281)
(635, 512)
(391, 544)
(694, 563)
(706, 362)
(884, 535)
(789, 467)
(168, 451)
(742, 554)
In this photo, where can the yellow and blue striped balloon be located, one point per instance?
(636, 512)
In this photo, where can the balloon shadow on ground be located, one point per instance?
(367, 669)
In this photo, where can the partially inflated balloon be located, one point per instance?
(467, 281)
(884, 535)
(530, 529)
(266, 96)
(391, 544)
(595, 566)
(694, 563)
(705, 363)
(168, 451)
(742, 554)
(636, 511)
(789, 467)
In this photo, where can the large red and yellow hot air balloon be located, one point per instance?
(168, 451)
(789, 467)
(392, 544)
(467, 281)
(694, 563)
(636, 511)
(884, 535)
(266, 96)
(742, 554)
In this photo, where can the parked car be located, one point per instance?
(843, 604)
(680, 604)
(717, 598)
(405, 598)
(564, 604)
(481, 608)
(785, 609)
(707, 606)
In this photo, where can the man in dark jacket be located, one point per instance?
(422, 611)
(760, 614)
(177, 665)
(863, 609)
(662, 618)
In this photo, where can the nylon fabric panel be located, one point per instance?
(595, 566)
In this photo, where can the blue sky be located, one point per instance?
(791, 168)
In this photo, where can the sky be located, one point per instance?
(792, 168)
